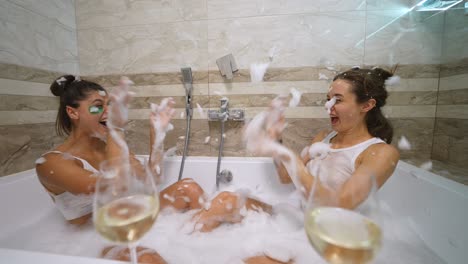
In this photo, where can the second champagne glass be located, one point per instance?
(126, 202)
(344, 228)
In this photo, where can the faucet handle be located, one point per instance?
(224, 104)
(237, 114)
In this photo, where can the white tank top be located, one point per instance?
(339, 164)
(70, 205)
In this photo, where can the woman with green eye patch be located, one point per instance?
(96, 109)
(67, 172)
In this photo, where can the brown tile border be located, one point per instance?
(16, 72)
(453, 97)
(454, 68)
(29, 74)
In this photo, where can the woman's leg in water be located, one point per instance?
(182, 195)
(264, 260)
(226, 208)
(145, 255)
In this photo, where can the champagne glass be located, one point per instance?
(344, 228)
(126, 202)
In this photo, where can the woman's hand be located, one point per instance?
(275, 122)
(118, 108)
(161, 115)
(263, 132)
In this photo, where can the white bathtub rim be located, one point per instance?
(16, 256)
(412, 170)
(435, 179)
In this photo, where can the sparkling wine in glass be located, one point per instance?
(126, 202)
(344, 228)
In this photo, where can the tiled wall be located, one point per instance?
(31, 109)
(39, 34)
(451, 130)
(151, 40)
(37, 40)
(163, 36)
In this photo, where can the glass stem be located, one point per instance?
(133, 254)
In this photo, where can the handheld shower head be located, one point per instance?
(187, 80)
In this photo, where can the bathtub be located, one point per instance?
(436, 208)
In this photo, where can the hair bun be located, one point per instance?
(383, 74)
(60, 84)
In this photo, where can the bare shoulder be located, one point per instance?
(321, 135)
(52, 162)
(60, 174)
(383, 150)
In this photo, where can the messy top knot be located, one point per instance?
(58, 86)
(71, 90)
(370, 84)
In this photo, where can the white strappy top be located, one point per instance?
(70, 205)
(339, 164)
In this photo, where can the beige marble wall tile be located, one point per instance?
(455, 34)
(451, 141)
(14, 87)
(423, 76)
(398, 111)
(296, 136)
(457, 67)
(319, 99)
(150, 79)
(412, 98)
(450, 171)
(413, 111)
(233, 144)
(34, 140)
(417, 70)
(116, 13)
(164, 47)
(453, 97)
(199, 130)
(295, 112)
(27, 117)
(166, 90)
(27, 103)
(248, 88)
(143, 114)
(144, 102)
(454, 82)
(317, 86)
(276, 74)
(394, 36)
(415, 85)
(137, 137)
(390, 4)
(32, 36)
(226, 9)
(25, 144)
(419, 132)
(29, 74)
(300, 133)
(61, 10)
(264, 100)
(414, 78)
(452, 111)
(293, 40)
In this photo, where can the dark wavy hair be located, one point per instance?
(71, 91)
(370, 84)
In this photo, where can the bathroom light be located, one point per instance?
(437, 5)
(420, 3)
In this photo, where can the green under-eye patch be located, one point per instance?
(96, 109)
